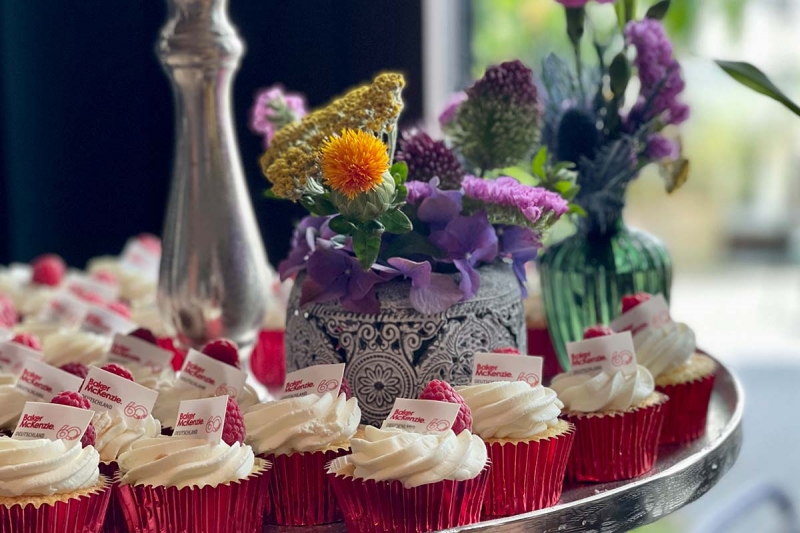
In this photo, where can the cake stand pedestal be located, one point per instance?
(682, 475)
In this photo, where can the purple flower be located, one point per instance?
(508, 200)
(659, 73)
(520, 245)
(439, 207)
(273, 109)
(659, 147)
(427, 159)
(417, 191)
(430, 292)
(303, 243)
(337, 275)
(467, 241)
(451, 108)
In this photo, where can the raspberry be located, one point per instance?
(598, 330)
(120, 308)
(233, 430)
(223, 350)
(509, 350)
(87, 296)
(76, 369)
(105, 276)
(346, 389)
(150, 241)
(443, 392)
(89, 437)
(144, 334)
(48, 269)
(118, 370)
(26, 339)
(629, 301)
(8, 314)
(71, 399)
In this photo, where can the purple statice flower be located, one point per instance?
(451, 108)
(439, 207)
(509, 201)
(337, 275)
(519, 245)
(430, 292)
(660, 147)
(468, 242)
(273, 109)
(427, 159)
(659, 73)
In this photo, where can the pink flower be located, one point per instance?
(274, 109)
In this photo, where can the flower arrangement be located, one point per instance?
(516, 151)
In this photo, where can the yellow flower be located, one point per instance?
(354, 162)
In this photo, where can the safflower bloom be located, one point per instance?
(353, 162)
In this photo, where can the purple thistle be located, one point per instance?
(427, 159)
(273, 109)
(511, 202)
(659, 73)
(451, 108)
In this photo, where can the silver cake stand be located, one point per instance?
(682, 475)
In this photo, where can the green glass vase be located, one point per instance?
(585, 276)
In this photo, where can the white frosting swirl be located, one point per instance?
(43, 467)
(185, 462)
(511, 409)
(33, 299)
(12, 402)
(308, 423)
(664, 348)
(136, 287)
(40, 328)
(587, 393)
(171, 394)
(75, 347)
(115, 435)
(417, 459)
(144, 375)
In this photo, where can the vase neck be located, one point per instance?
(592, 229)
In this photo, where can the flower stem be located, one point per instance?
(579, 70)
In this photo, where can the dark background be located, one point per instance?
(86, 137)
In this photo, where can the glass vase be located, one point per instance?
(585, 276)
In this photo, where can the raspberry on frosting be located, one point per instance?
(48, 269)
(76, 399)
(598, 330)
(145, 335)
(509, 350)
(233, 430)
(346, 389)
(8, 313)
(76, 369)
(120, 308)
(223, 350)
(118, 370)
(442, 391)
(629, 301)
(29, 340)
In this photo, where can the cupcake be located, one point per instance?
(172, 393)
(27, 341)
(75, 347)
(669, 352)
(191, 485)
(397, 481)
(44, 482)
(528, 445)
(31, 290)
(299, 436)
(617, 417)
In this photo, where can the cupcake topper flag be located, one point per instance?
(610, 354)
(491, 367)
(110, 392)
(128, 349)
(14, 355)
(207, 374)
(43, 381)
(651, 313)
(421, 416)
(203, 419)
(317, 379)
(52, 421)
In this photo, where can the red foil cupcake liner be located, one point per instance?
(300, 491)
(237, 506)
(687, 410)
(115, 520)
(615, 446)
(388, 507)
(526, 476)
(83, 514)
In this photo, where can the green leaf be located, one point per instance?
(571, 193)
(576, 209)
(630, 10)
(318, 206)
(562, 187)
(271, 195)
(619, 73)
(342, 225)
(576, 16)
(396, 221)
(399, 172)
(367, 242)
(400, 195)
(563, 165)
(619, 8)
(658, 10)
(519, 174)
(752, 77)
(539, 161)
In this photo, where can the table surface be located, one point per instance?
(682, 474)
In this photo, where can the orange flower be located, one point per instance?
(354, 162)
